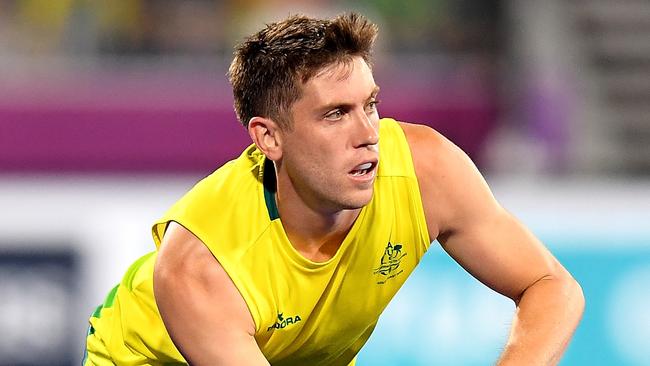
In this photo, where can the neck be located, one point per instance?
(315, 236)
(315, 233)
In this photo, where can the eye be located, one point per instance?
(372, 106)
(334, 115)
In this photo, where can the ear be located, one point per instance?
(265, 133)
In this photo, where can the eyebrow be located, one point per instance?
(334, 105)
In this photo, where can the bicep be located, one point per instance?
(489, 242)
(472, 227)
(501, 253)
(201, 308)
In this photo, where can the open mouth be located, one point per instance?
(363, 169)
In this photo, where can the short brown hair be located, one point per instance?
(270, 66)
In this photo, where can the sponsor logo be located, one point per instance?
(390, 262)
(283, 322)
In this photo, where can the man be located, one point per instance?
(289, 254)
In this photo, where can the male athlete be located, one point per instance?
(288, 254)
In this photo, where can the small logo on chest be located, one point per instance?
(390, 262)
(282, 322)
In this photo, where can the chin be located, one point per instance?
(359, 200)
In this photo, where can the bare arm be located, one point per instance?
(496, 249)
(203, 312)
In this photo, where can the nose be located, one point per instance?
(366, 130)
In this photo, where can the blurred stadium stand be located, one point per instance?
(109, 111)
(134, 86)
(613, 37)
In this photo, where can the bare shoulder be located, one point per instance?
(198, 302)
(182, 253)
(450, 184)
(430, 148)
(185, 263)
(183, 257)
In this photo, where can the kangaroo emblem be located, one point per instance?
(390, 261)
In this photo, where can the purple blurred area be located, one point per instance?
(114, 122)
(159, 122)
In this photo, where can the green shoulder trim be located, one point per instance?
(126, 281)
(110, 298)
(108, 302)
(130, 273)
(97, 311)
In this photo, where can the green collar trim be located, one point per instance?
(270, 187)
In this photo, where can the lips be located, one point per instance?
(363, 169)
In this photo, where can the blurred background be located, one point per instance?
(111, 110)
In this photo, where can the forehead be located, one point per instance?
(349, 80)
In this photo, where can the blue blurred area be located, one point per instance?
(445, 317)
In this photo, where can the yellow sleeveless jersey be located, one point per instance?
(305, 313)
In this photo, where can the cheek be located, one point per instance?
(320, 155)
(318, 167)
(322, 148)
(317, 162)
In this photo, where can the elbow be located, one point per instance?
(569, 295)
(576, 296)
(570, 291)
(560, 289)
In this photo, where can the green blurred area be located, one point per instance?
(211, 27)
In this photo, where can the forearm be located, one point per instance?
(546, 317)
